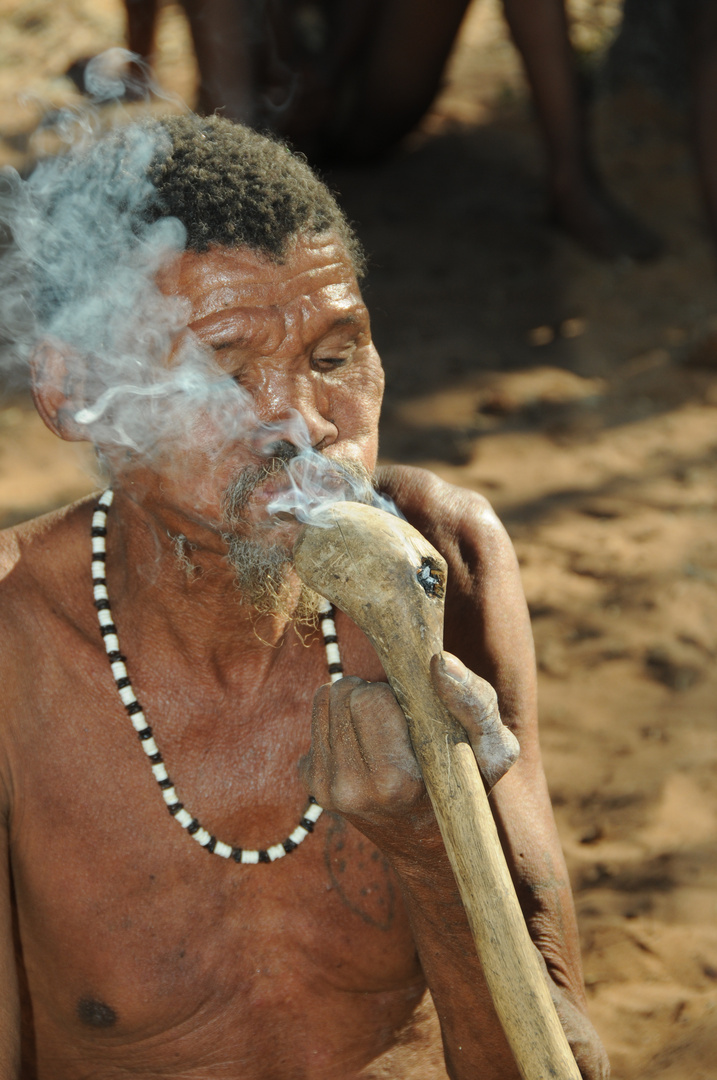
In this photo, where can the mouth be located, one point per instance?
(271, 488)
(281, 492)
(248, 497)
(267, 503)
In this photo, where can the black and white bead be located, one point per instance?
(331, 642)
(139, 722)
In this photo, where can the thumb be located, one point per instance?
(474, 704)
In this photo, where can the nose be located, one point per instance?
(300, 395)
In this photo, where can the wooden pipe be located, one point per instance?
(391, 582)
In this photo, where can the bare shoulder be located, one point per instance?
(41, 613)
(40, 563)
(34, 553)
(9, 552)
(16, 581)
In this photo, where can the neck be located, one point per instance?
(194, 599)
(118, 666)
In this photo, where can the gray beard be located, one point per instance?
(261, 569)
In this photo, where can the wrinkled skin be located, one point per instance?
(141, 955)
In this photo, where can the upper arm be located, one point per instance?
(9, 995)
(9, 998)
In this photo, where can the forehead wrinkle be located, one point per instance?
(259, 328)
(308, 322)
(267, 329)
(242, 301)
(337, 305)
(230, 285)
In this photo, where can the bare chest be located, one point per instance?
(133, 936)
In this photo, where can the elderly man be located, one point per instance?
(197, 315)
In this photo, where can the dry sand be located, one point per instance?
(582, 399)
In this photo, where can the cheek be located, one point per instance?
(200, 463)
(206, 436)
(215, 431)
(356, 404)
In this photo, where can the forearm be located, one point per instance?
(473, 1039)
(521, 807)
(474, 1043)
(488, 627)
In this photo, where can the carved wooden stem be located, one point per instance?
(386, 577)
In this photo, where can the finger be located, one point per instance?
(474, 704)
(385, 744)
(315, 768)
(334, 756)
(312, 766)
(338, 730)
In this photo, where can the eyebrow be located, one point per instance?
(228, 338)
(241, 340)
(218, 345)
(344, 320)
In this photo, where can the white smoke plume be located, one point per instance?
(78, 271)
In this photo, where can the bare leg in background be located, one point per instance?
(579, 201)
(347, 80)
(704, 51)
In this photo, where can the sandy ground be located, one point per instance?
(582, 399)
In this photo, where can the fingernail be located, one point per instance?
(453, 667)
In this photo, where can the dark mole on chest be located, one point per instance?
(95, 1013)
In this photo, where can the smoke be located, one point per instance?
(117, 75)
(78, 276)
(313, 481)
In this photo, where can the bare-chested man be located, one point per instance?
(337, 952)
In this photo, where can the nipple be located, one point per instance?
(96, 1014)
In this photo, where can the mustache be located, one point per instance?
(240, 490)
(340, 478)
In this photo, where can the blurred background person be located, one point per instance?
(346, 80)
(671, 46)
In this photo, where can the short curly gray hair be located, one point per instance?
(229, 185)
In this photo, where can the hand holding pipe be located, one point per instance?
(390, 581)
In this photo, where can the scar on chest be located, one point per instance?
(95, 1013)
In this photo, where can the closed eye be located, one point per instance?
(329, 363)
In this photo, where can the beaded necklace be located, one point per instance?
(118, 666)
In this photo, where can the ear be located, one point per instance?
(54, 391)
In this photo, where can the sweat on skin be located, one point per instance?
(143, 955)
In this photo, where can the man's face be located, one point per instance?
(295, 336)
